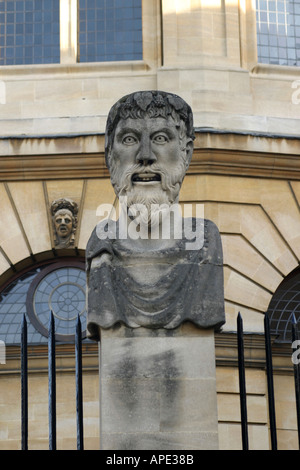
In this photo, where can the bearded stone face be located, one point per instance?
(149, 158)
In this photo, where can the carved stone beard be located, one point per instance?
(164, 194)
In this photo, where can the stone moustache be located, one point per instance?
(146, 282)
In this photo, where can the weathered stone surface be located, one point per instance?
(160, 441)
(154, 277)
(188, 284)
(158, 391)
(136, 278)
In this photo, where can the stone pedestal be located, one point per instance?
(158, 389)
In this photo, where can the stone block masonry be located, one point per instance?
(158, 389)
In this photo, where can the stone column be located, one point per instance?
(158, 389)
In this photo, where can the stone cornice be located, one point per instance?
(38, 358)
(225, 347)
(254, 352)
(216, 152)
(54, 71)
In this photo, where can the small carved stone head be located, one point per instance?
(64, 218)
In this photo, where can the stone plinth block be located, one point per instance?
(158, 389)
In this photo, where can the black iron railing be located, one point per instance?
(79, 397)
(269, 368)
(78, 380)
(24, 386)
(295, 339)
(242, 383)
(269, 372)
(51, 384)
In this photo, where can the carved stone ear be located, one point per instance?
(189, 151)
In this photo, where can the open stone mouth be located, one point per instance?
(146, 178)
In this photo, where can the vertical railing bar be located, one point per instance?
(295, 337)
(52, 384)
(79, 405)
(24, 385)
(270, 383)
(242, 383)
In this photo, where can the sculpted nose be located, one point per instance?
(145, 155)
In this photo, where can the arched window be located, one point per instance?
(57, 286)
(284, 304)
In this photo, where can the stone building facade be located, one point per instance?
(245, 170)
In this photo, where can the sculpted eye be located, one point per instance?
(129, 140)
(160, 139)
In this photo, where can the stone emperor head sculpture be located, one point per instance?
(142, 270)
(64, 218)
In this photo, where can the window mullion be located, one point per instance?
(68, 31)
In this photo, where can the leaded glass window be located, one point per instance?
(278, 32)
(110, 30)
(107, 30)
(285, 305)
(56, 286)
(29, 32)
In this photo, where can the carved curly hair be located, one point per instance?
(147, 103)
(64, 203)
